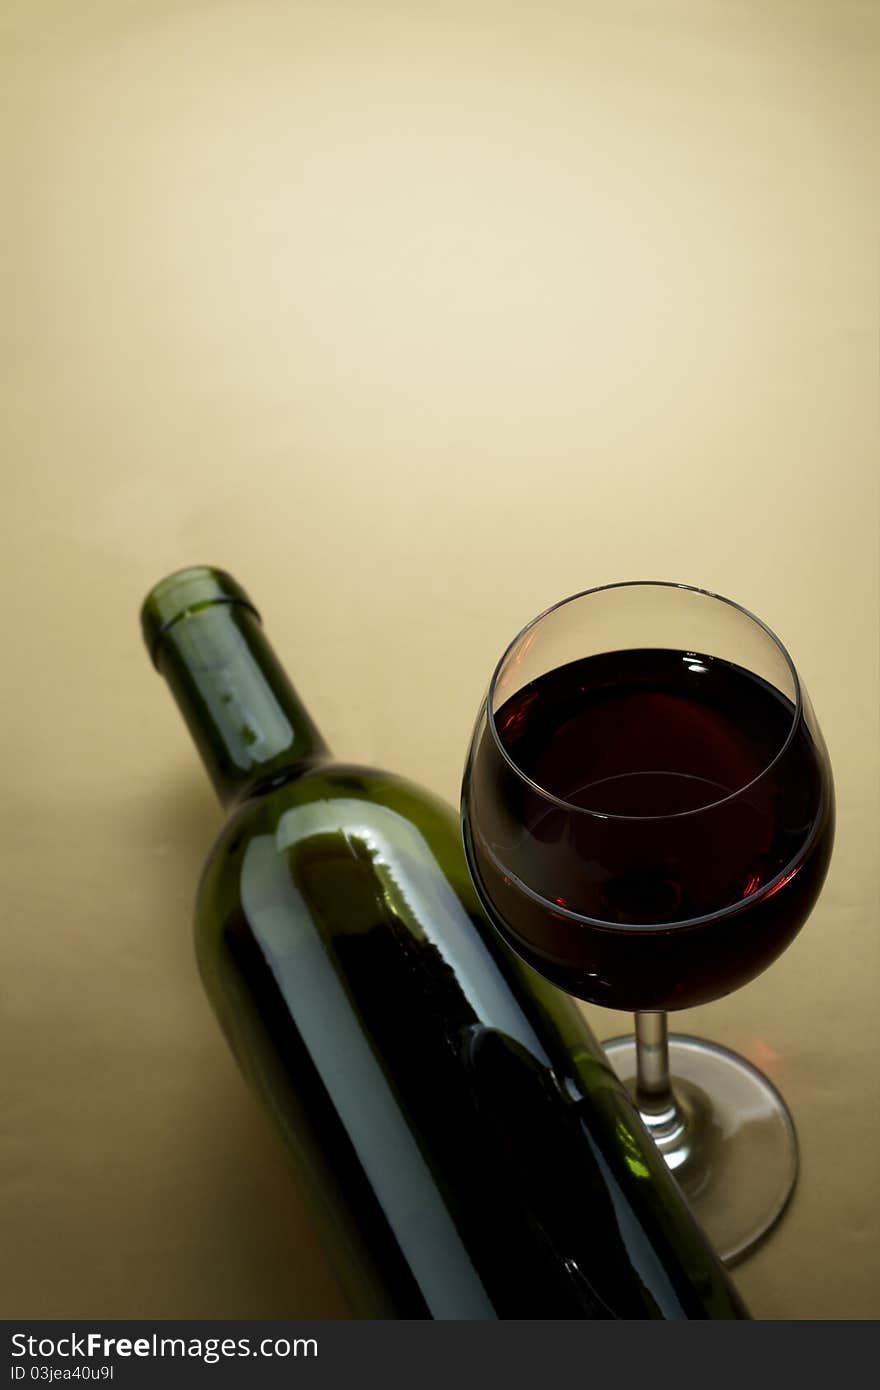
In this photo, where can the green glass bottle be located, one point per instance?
(465, 1147)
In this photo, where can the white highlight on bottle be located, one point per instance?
(418, 891)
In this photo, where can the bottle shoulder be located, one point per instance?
(345, 782)
(337, 808)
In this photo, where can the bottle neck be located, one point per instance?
(244, 715)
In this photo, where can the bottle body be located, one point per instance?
(464, 1145)
(469, 1151)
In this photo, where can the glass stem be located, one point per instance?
(658, 1107)
(652, 1059)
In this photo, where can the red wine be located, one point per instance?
(678, 802)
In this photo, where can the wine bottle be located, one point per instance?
(465, 1147)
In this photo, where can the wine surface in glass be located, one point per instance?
(689, 817)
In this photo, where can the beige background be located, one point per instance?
(416, 318)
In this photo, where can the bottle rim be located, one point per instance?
(181, 594)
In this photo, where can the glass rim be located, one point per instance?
(570, 806)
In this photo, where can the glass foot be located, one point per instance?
(731, 1143)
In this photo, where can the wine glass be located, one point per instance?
(648, 816)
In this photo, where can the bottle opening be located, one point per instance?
(183, 593)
